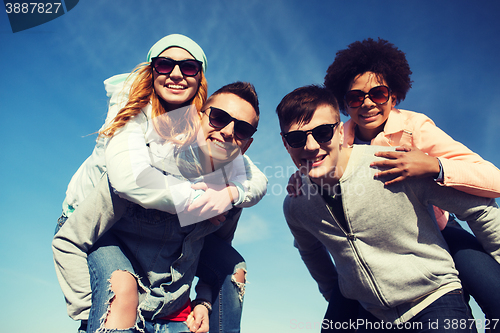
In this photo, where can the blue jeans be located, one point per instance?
(340, 310)
(105, 257)
(218, 262)
(448, 314)
(163, 326)
(478, 271)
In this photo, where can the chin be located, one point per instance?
(324, 174)
(316, 175)
(224, 158)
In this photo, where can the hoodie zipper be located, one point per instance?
(352, 238)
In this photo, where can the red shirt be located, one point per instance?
(181, 314)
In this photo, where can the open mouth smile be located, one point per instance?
(313, 162)
(369, 115)
(175, 86)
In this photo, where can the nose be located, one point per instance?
(311, 143)
(176, 72)
(228, 131)
(367, 101)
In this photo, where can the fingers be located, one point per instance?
(204, 327)
(199, 202)
(394, 172)
(384, 164)
(200, 321)
(194, 324)
(396, 180)
(404, 148)
(217, 220)
(390, 154)
(199, 186)
(214, 201)
(191, 323)
(293, 190)
(399, 152)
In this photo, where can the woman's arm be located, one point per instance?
(239, 183)
(461, 168)
(254, 184)
(136, 172)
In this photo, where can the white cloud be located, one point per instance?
(251, 228)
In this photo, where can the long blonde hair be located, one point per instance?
(142, 92)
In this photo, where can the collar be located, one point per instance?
(394, 123)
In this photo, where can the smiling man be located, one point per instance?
(228, 120)
(389, 254)
(162, 253)
(229, 133)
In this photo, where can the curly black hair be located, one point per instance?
(379, 57)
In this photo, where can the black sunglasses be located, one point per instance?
(321, 133)
(189, 67)
(379, 95)
(219, 119)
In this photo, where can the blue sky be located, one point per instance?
(53, 100)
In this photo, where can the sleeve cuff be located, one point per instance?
(440, 176)
(241, 193)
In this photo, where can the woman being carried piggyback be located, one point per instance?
(369, 78)
(153, 118)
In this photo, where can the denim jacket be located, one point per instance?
(160, 246)
(167, 252)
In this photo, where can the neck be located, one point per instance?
(207, 163)
(210, 164)
(171, 107)
(366, 134)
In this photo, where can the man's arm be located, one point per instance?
(482, 214)
(93, 217)
(314, 254)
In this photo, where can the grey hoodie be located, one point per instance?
(392, 255)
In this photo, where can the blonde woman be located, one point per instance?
(153, 115)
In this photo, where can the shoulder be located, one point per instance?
(349, 133)
(367, 152)
(246, 159)
(358, 169)
(414, 117)
(289, 204)
(293, 207)
(118, 83)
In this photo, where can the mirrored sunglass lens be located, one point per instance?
(189, 68)
(164, 65)
(354, 98)
(379, 95)
(323, 133)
